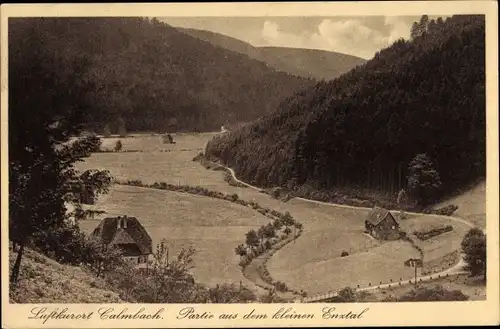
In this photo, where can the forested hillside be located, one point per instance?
(149, 76)
(311, 63)
(363, 129)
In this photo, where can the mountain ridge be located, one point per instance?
(149, 76)
(310, 63)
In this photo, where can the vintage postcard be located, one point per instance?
(249, 164)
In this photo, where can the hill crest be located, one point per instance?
(310, 63)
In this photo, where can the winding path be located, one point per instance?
(454, 270)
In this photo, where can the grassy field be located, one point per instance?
(471, 204)
(213, 227)
(441, 245)
(170, 163)
(314, 264)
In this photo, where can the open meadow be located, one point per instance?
(471, 204)
(439, 246)
(314, 262)
(214, 227)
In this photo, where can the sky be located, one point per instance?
(359, 36)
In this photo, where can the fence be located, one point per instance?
(391, 284)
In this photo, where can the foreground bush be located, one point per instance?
(165, 281)
(474, 247)
(437, 293)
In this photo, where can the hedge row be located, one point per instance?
(425, 235)
(198, 190)
(444, 211)
(270, 245)
(264, 273)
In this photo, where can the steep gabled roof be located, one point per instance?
(122, 237)
(134, 233)
(377, 215)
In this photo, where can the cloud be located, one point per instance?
(356, 36)
(400, 27)
(270, 30)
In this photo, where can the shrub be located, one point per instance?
(446, 211)
(346, 295)
(271, 297)
(65, 244)
(101, 258)
(280, 286)
(135, 182)
(344, 254)
(474, 247)
(118, 146)
(230, 293)
(437, 293)
(267, 244)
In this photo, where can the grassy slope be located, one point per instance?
(314, 264)
(43, 280)
(471, 204)
(312, 63)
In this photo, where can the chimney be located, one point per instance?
(119, 222)
(124, 221)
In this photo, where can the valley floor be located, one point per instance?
(313, 263)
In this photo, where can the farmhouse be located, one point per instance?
(381, 224)
(129, 235)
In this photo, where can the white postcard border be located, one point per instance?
(378, 314)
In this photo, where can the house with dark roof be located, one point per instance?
(381, 224)
(129, 235)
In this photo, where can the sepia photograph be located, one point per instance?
(267, 159)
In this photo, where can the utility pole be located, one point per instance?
(415, 274)
(416, 263)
